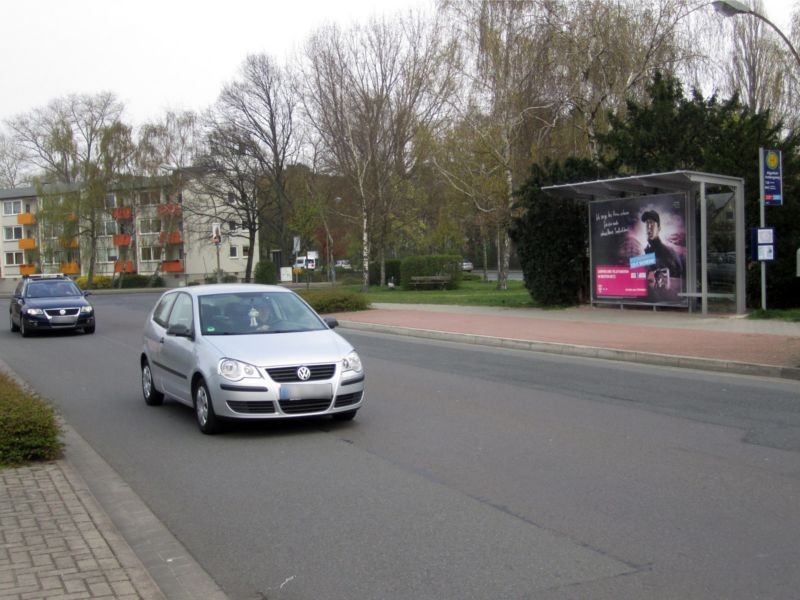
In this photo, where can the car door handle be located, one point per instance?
(161, 341)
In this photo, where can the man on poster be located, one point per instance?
(666, 265)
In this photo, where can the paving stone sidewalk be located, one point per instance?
(56, 542)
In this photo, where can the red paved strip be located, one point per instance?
(757, 348)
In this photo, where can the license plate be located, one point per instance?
(306, 391)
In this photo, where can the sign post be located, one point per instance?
(770, 172)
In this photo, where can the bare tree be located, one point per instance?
(173, 141)
(761, 68)
(261, 105)
(366, 92)
(77, 140)
(12, 164)
(227, 184)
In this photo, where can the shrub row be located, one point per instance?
(28, 427)
(423, 266)
(133, 280)
(333, 300)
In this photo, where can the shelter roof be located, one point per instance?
(639, 185)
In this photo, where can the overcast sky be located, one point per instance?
(165, 54)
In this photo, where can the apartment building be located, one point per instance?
(142, 231)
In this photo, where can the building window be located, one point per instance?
(14, 258)
(12, 233)
(234, 251)
(245, 251)
(151, 253)
(149, 225)
(108, 228)
(12, 207)
(54, 257)
(111, 201)
(107, 255)
(148, 198)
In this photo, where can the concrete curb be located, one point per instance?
(669, 360)
(155, 561)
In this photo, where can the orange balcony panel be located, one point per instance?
(170, 209)
(172, 266)
(68, 242)
(70, 268)
(171, 237)
(122, 212)
(27, 269)
(27, 244)
(26, 219)
(72, 217)
(122, 239)
(124, 266)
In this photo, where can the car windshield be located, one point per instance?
(245, 313)
(52, 289)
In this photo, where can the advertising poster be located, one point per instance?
(639, 250)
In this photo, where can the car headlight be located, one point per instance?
(234, 370)
(352, 362)
(34, 311)
(86, 310)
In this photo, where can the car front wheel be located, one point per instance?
(152, 396)
(207, 420)
(13, 326)
(23, 330)
(89, 329)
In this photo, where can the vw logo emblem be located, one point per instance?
(62, 312)
(303, 373)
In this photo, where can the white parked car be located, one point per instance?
(247, 351)
(343, 264)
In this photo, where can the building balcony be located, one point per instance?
(26, 219)
(27, 269)
(170, 209)
(172, 266)
(171, 237)
(68, 242)
(122, 213)
(124, 266)
(70, 268)
(27, 244)
(122, 239)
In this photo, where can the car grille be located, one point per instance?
(289, 374)
(348, 399)
(252, 408)
(56, 312)
(295, 407)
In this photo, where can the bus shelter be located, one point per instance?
(666, 239)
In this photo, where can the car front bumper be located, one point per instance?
(43, 323)
(272, 400)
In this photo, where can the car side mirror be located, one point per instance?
(180, 330)
(331, 322)
(87, 293)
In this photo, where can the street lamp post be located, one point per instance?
(731, 8)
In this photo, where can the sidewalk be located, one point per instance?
(723, 343)
(71, 529)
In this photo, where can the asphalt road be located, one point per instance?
(470, 473)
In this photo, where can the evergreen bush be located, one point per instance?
(265, 272)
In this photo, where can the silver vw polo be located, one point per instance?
(247, 351)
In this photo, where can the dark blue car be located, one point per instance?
(48, 303)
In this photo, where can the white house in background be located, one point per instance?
(142, 231)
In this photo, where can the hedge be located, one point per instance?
(425, 266)
(29, 430)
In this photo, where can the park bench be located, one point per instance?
(429, 281)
